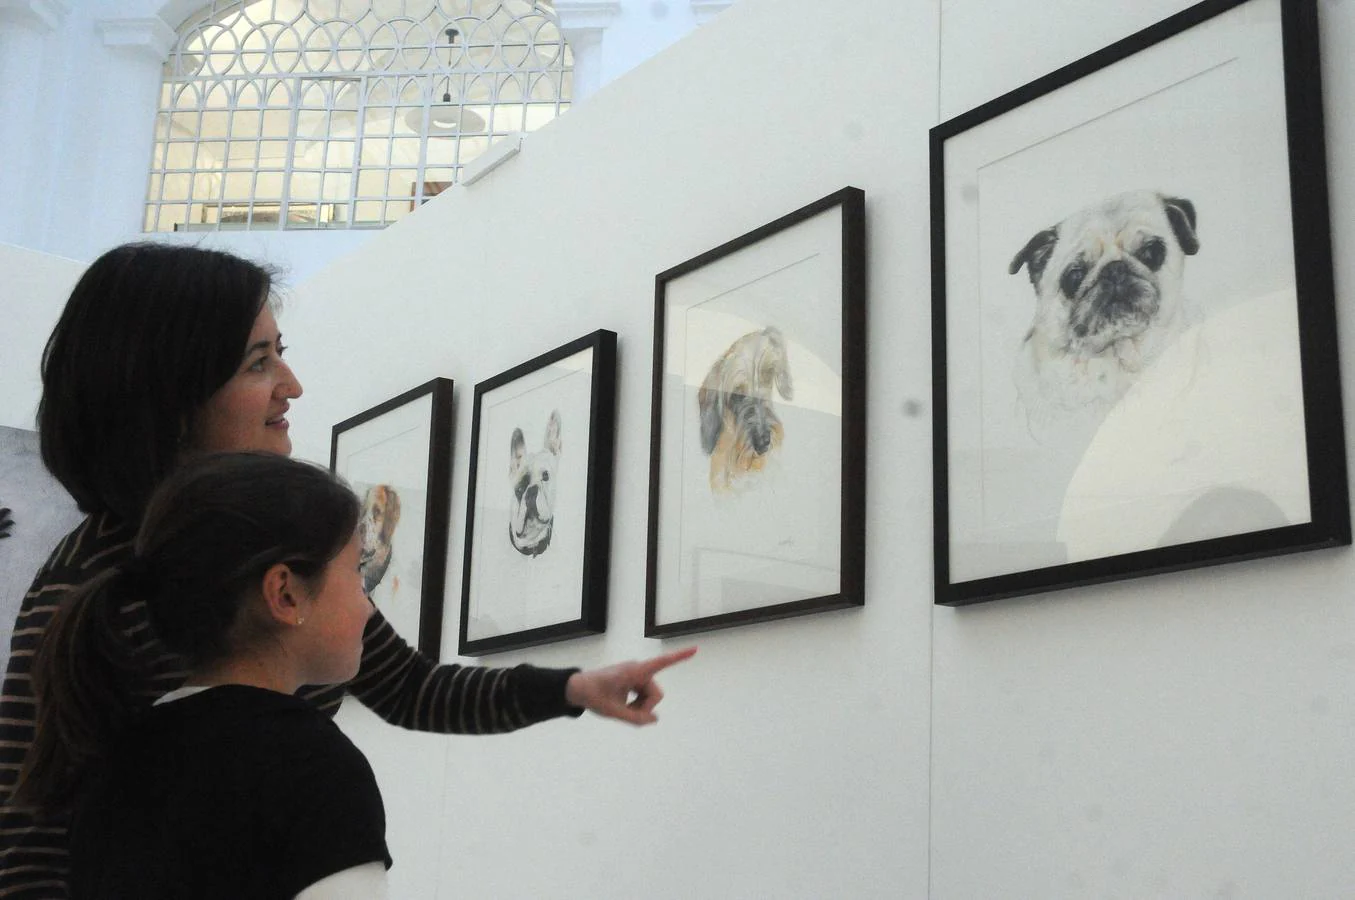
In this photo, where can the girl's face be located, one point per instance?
(335, 618)
(249, 412)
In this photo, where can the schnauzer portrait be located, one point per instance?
(739, 427)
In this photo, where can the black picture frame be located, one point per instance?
(578, 549)
(835, 255)
(968, 570)
(379, 424)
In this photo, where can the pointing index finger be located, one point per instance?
(663, 661)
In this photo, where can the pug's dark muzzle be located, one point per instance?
(1120, 304)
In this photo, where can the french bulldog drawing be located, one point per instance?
(533, 479)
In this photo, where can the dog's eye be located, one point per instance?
(1072, 279)
(545, 476)
(1153, 254)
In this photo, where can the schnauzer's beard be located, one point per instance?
(751, 432)
(755, 422)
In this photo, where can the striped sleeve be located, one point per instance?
(409, 690)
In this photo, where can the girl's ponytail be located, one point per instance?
(210, 532)
(83, 677)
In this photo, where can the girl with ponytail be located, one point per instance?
(229, 786)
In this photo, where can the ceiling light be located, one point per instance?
(446, 119)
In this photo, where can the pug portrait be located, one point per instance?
(1108, 301)
(532, 477)
(376, 532)
(739, 425)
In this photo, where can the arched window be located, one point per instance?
(341, 114)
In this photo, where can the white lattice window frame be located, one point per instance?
(328, 116)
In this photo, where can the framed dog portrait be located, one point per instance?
(538, 509)
(757, 448)
(1134, 333)
(397, 458)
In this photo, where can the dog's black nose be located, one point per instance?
(1115, 272)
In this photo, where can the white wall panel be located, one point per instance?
(791, 761)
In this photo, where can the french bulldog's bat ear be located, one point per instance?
(553, 432)
(1181, 214)
(1035, 255)
(519, 447)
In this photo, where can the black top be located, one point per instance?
(232, 792)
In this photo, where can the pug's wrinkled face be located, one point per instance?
(1109, 272)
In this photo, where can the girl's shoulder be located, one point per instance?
(241, 724)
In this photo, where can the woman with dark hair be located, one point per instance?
(145, 364)
(229, 787)
(163, 353)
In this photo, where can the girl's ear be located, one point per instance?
(284, 595)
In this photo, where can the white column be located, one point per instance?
(100, 200)
(25, 62)
(583, 24)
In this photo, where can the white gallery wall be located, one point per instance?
(1178, 736)
(35, 287)
(1186, 735)
(792, 758)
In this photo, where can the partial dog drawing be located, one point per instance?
(533, 479)
(739, 426)
(376, 529)
(1108, 301)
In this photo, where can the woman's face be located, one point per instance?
(249, 412)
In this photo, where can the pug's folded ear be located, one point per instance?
(1035, 255)
(1181, 215)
